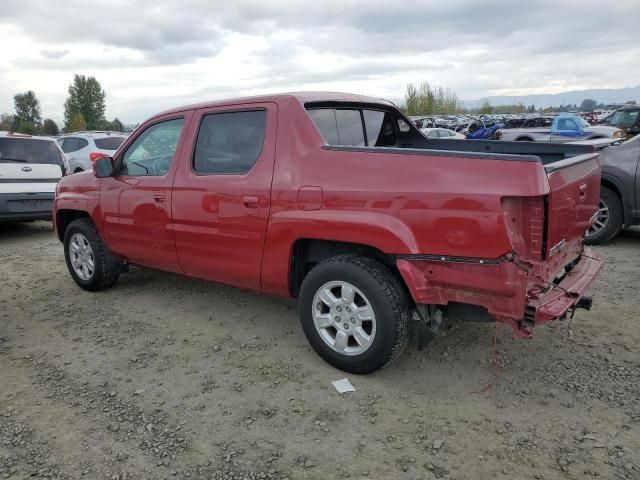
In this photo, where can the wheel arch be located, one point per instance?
(615, 184)
(308, 252)
(64, 217)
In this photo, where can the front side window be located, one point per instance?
(153, 151)
(229, 142)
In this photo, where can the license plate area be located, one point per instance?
(29, 205)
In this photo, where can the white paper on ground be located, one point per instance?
(343, 386)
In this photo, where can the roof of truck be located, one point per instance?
(302, 97)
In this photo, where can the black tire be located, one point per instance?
(106, 267)
(616, 218)
(387, 297)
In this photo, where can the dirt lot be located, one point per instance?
(168, 377)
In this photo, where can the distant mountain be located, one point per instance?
(601, 95)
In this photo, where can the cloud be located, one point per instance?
(54, 54)
(150, 52)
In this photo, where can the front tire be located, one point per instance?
(89, 261)
(609, 220)
(355, 313)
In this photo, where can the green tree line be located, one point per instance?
(84, 109)
(425, 99)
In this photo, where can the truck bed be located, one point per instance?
(546, 152)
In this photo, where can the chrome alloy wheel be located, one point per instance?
(601, 220)
(82, 259)
(344, 318)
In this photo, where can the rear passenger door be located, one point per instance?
(72, 147)
(221, 193)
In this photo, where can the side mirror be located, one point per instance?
(103, 167)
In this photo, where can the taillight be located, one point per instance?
(525, 219)
(93, 156)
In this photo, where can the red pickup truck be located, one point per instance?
(340, 201)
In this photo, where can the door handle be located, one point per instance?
(159, 197)
(250, 201)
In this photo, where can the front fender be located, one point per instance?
(81, 193)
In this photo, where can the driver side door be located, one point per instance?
(136, 201)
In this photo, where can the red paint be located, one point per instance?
(240, 229)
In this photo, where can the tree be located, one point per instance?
(6, 122)
(117, 125)
(87, 97)
(77, 123)
(428, 100)
(485, 107)
(588, 105)
(49, 127)
(28, 117)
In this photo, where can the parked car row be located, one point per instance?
(84, 148)
(564, 128)
(518, 127)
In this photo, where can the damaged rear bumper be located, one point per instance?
(504, 290)
(567, 293)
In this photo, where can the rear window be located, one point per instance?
(28, 150)
(108, 143)
(348, 126)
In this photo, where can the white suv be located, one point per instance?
(30, 168)
(84, 148)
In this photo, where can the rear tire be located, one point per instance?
(374, 338)
(89, 261)
(610, 201)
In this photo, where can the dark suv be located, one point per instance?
(627, 119)
(619, 192)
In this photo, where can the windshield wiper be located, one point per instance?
(13, 160)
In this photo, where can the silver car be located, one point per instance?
(84, 148)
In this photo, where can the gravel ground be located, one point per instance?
(169, 377)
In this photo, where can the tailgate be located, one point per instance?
(573, 200)
(28, 177)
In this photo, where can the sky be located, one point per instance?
(150, 55)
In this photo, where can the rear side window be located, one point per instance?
(108, 143)
(230, 142)
(345, 126)
(26, 150)
(350, 130)
(379, 126)
(325, 120)
(73, 144)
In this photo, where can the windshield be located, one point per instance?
(624, 118)
(29, 150)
